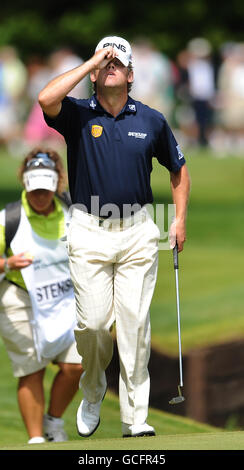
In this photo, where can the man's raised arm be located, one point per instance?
(51, 96)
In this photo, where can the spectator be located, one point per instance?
(201, 86)
(183, 112)
(13, 79)
(35, 129)
(38, 74)
(153, 78)
(231, 92)
(65, 59)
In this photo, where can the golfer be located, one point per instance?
(37, 305)
(112, 241)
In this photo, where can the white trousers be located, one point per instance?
(114, 271)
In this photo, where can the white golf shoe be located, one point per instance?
(88, 417)
(36, 440)
(137, 430)
(53, 429)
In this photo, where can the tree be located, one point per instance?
(169, 23)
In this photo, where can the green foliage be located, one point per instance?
(32, 33)
(78, 28)
(27, 31)
(169, 23)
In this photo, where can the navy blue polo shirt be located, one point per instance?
(111, 157)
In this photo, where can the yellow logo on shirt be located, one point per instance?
(96, 130)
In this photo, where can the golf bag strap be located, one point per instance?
(65, 197)
(13, 212)
(12, 220)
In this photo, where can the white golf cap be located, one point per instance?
(121, 46)
(41, 178)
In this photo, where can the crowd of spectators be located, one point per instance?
(21, 121)
(200, 92)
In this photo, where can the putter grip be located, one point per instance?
(175, 255)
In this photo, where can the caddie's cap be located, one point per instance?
(121, 46)
(40, 173)
(41, 178)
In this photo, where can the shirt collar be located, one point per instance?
(130, 106)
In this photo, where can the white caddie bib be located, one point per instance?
(50, 288)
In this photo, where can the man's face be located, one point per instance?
(115, 74)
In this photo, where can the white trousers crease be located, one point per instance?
(114, 274)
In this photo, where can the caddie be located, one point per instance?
(112, 240)
(37, 306)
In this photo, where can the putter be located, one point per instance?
(180, 397)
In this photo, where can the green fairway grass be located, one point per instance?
(211, 299)
(13, 433)
(210, 441)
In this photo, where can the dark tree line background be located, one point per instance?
(40, 26)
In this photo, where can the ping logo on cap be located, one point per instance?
(113, 44)
(122, 47)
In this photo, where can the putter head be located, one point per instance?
(178, 399)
